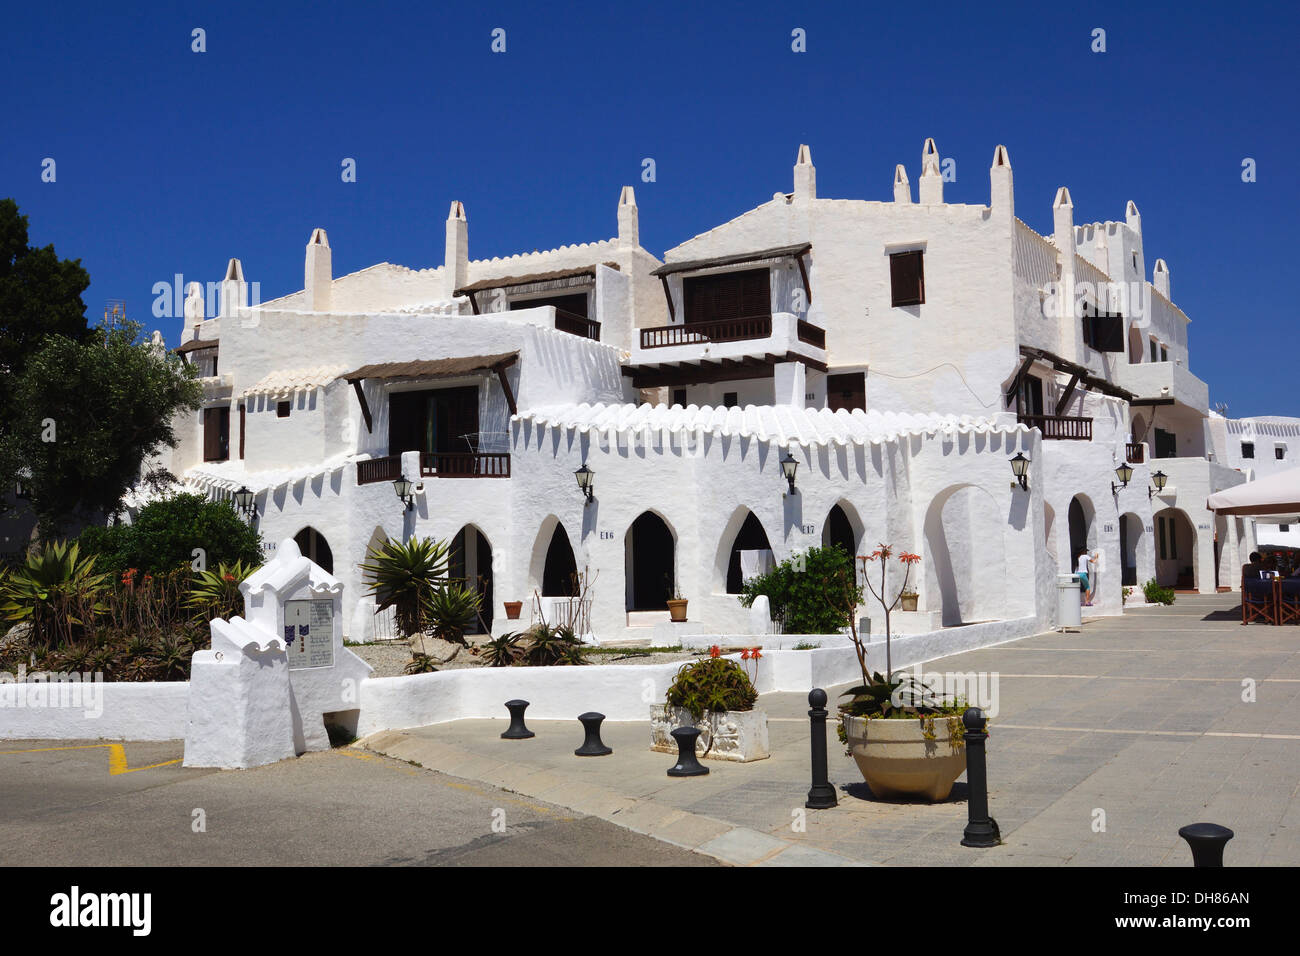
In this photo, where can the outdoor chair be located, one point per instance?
(1288, 601)
(1257, 601)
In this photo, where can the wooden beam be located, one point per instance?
(672, 314)
(365, 406)
(505, 387)
(473, 302)
(1065, 396)
(803, 271)
(1013, 390)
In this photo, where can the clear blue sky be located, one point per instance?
(172, 161)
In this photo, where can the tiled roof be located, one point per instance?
(286, 382)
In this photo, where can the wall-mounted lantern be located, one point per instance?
(402, 485)
(245, 502)
(1125, 474)
(788, 468)
(1159, 479)
(1020, 468)
(586, 479)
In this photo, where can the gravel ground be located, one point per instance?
(390, 657)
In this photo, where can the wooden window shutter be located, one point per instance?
(907, 278)
(211, 435)
(847, 391)
(241, 430)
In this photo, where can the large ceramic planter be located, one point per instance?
(897, 760)
(677, 610)
(731, 735)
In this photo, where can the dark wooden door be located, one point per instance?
(847, 391)
(454, 416)
(732, 295)
(216, 434)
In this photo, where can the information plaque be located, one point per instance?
(309, 632)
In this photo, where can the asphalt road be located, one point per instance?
(88, 804)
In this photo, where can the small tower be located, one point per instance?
(1132, 217)
(1160, 278)
(931, 185)
(629, 229)
(902, 187)
(318, 272)
(1063, 236)
(805, 176)
(456, 256)
(234, 290)
(1002, 194)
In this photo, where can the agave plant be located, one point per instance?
(450, 611)
(57, 591)
(404, 576)
(548, 646)
(504, 651)
(216, 593)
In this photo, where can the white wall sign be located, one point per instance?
(309, 633)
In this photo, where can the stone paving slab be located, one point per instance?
(1107, 740)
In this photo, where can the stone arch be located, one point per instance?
(553, 568)
(650, 562)
(1081, 518)
(1134, 549)
(1177, 564)
(964, 564)
(314, 547)
(843, 527)
(744, 532)
(471, 561)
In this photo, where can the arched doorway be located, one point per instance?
(1131, 544)
(839, 530)
(1082, 536)
(560, 573)
(471, 562)
(649, 553)
(315, 548)
(1134, 345)
(750, 537)
(1175, 550)
(965, 557)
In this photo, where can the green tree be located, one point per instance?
(806, 592)
(85, 415)
(165, 533)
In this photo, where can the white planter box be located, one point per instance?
(732, 735)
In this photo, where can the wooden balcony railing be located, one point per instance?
(728, 330)
(810, 334)
(1060, 427)
(575, 324)
(388, 468)
(465, 465)
(1135, 452)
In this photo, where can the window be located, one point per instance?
(1284, 528)
(282, 409)
(577, 304)
(728, 296)
(1164, 353)
(679, 397)
(1102, 331)
(241, 430)
(1279, 452)
(907, 278)
(216, 434)
(1248, 449)
(1166, 444)
(1155, 354)
(847, 391)
(730, 399)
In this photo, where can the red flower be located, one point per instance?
(715, 651)
(756, 653)
(744, 655)
(909, 558)
(228, 577)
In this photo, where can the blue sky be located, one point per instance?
(172, 161)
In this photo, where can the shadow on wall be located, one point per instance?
(965, 557)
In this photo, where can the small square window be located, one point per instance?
(907, 278)
(1284, 528)
(1279, 452)
(730, 399)
(679, 397)
(1248, 449)
(1164, 354)
(1155, 355)
(282, 409)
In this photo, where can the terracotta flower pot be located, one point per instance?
(677, 610)
(909, 602)
(897, 760)
(512, 609)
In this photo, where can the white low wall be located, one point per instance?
(158, 711)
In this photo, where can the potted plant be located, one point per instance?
(908, 600)
(676, 605)
(512, 609)
(906, 739)
(716, 696)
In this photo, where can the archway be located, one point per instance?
(1132, 543)
(965, 557)
(471, 562)
(1082, 534)
(315, 548)
(750, 537)
(560, 572)
(1176, 565)
(650, 558)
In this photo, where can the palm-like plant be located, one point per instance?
(216, 593)
(57, 591)
(404, 576)
(450, 611)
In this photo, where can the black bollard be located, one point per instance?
(822, 794)
(687, 765)
(981, 829)
(517, 730)
(1207, 841)
(592, 745)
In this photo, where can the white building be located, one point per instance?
(1259, 447)
(903, 352)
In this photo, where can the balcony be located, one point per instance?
(1059, 427)
(1135, 452)
(779, 337)
(465, 465)
(698, 333)
(578, 325)
(1165, 380)
(388, 468)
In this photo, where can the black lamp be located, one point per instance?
(1159, 479)
(244, 501)
(788, 468)
(586, 480)
(1020, 468)
(1125, 474)
(402, 485)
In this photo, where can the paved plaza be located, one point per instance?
(1107, 740)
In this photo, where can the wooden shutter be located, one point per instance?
(732, 295)
(211, 436)
(907, 278)
(241, 430)
(847, 390)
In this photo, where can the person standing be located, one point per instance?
(1082, 566)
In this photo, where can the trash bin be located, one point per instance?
(1069, 599)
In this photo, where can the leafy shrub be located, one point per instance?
(540, 646)
(1155, 594)
(804, 591)
(57, 591)
(712, 684)
(165, 533)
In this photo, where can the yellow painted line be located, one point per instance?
(116, 757)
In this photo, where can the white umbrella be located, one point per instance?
(1275, 495)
